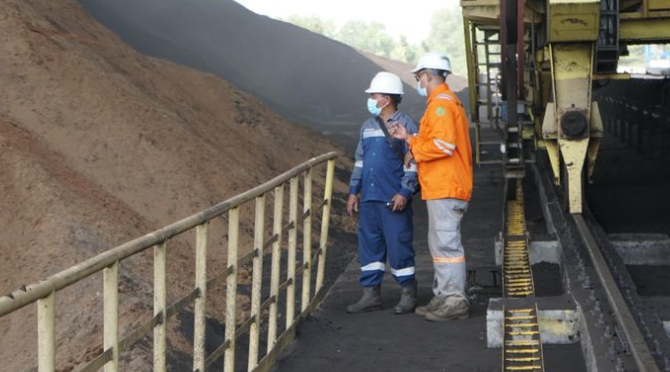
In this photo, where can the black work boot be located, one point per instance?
(370, 301)
(407, 301)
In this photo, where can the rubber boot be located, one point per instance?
(370, 301)
(407, 302)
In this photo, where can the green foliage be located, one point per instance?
(370, 37)
(314, 24)
(446, 36)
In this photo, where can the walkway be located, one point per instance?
(381, 341)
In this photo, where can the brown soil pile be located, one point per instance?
(99, 145)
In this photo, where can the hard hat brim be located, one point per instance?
(370, 91)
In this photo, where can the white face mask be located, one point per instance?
(372, 107)
(422, 91)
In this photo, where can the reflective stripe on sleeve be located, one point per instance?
(446, 144)
(442, 147)
(374, 267)
(412, 168)
(358, 164)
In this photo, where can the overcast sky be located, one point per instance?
(411, 19)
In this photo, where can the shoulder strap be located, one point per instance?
(396, 149)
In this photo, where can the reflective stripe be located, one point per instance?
(450, 98)
(371, 133)
(403, 272)
(358, 164)
(449, 259)
(445, 96)
(442, 148)
(412, 168)
(446, 144)
(374, 267)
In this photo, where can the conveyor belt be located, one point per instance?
(522, 347)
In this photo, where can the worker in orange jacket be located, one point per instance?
(443, 156)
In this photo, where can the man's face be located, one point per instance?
(380, 98)
(419, 76)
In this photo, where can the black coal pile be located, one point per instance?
(301, 75)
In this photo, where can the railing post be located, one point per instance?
(276, 261)
(325, 220)
(200, 307)
(257, 282)
(231, 288)
(46, 333)
(292, 243)
(307, 241)
(111, 315)
(160, 305)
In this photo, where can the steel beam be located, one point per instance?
(642, 31)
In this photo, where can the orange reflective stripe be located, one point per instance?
(449, 259)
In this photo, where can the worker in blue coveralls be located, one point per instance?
(385, 186)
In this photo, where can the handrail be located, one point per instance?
(44, 292)
(56, 282)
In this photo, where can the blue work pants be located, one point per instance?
(382, 232)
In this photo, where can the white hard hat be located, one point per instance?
(386, 82)
(434, 61)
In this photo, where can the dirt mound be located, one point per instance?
(98, 145)
(302, 75)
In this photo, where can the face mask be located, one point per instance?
(372, 107)
(422, 91)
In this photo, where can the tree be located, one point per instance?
(446, 36)
(369, 37)
(409, 51)
(314, 24)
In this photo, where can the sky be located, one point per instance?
(400, 17)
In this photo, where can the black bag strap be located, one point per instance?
(396, 149)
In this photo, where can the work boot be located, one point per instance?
(453, 308)
(407, 301)
(434, 303)
(370, 301)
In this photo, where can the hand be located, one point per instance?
(352, 205)
(399, 203)
(399, 131)
(408, 159)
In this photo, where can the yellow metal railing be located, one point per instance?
(44, 293)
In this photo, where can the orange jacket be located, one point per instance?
(442, 148)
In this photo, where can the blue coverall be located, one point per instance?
(378, 175)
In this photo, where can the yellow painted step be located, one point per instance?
(523, 368)
(522, 351)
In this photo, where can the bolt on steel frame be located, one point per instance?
(44, 293)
